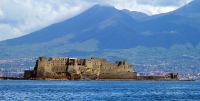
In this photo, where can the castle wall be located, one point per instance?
(150, 77)
(41, 68)
(56, 66)
(116, 76)
(73, 68)
(119, 70)
(116, 67)
(170, 76)
(50, 68)
(90, 69)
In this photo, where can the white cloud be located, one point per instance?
(163, 3)
(6, 28)
(149, 7)
(1, 14)
(20, 17)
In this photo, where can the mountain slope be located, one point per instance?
(102, 27)
(188, 9)
(136, 15)
(98, 28)
(100, 23)
(177, 27)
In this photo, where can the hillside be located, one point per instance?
(104, 31)
(109, 28)
(136, 15)
(98, 23)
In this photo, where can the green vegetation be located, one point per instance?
(177, 58)
(166, 42)
(184, 58)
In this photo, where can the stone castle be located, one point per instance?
(87, 69)
(83, 69)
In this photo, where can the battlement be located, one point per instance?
(53, 58)
(42, 58)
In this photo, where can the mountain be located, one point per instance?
(188, 9)
(177, 27)
(192, 13)
(103, 27)
(107, 25)
(136, 15)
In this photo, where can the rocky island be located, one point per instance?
(87, 69)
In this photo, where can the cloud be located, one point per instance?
(1, 14)
(163, 3)
(6, 28)
(149, 7)
(20, 17)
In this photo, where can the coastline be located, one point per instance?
(16, 78)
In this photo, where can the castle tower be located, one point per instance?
(42, 58)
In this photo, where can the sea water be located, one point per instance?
(20, 90)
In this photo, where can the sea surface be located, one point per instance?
(25, 90)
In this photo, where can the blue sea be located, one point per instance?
(24, 90)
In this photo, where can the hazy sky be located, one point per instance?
(20, 17)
